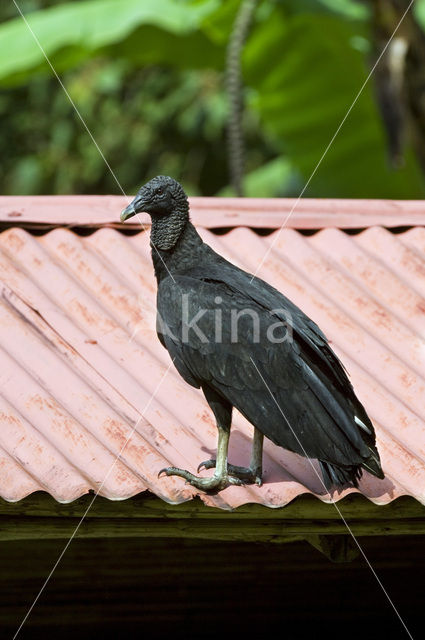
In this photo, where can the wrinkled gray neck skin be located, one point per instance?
(166, 230)
(175, 243)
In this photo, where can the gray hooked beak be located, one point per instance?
(128, 212)
(137, 205)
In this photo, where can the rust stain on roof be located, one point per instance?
(80, 360)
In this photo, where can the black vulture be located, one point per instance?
(248, 346)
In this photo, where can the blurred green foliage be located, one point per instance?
(147, 77)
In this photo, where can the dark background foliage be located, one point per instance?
(149, 80)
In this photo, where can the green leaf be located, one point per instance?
(148, 31)
(218, 24)
(306, 74)
(348, 8)
(419, 11)
(271, 180)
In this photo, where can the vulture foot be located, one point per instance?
(246, 475)
(215, 483)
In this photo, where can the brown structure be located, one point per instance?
(80, 362)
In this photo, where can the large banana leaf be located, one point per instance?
(303, 63)
(148, 31)
(306, 69)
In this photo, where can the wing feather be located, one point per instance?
(305, 381)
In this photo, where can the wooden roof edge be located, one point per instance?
(306, 213)
(144, 515)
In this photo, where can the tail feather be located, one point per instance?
(373, 464)
(338, 477)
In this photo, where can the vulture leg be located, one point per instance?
(223, 414)
(248, 475)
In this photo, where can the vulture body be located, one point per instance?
(248, 346)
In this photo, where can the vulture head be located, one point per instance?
(159, 197)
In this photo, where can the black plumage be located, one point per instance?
(248, 346)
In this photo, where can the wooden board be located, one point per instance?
(40, 516)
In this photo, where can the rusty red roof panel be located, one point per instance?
(80, 362)
(308, 213)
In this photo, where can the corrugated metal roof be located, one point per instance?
(80, 360)
(308, 213)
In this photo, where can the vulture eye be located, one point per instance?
(159, 191)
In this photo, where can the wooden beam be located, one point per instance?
(40, 516)
(146, 505)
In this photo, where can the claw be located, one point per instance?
(213, 484)
(206, 464)
(247, 475)
(237, 476)
(168, 471)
